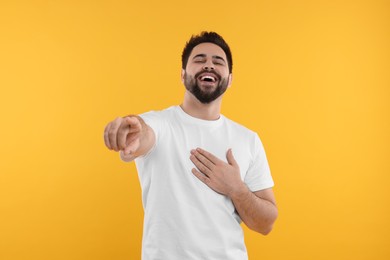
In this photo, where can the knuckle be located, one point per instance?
(120, 131)
(111, 134)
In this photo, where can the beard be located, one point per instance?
(205, 97)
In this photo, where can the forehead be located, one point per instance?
(210, 49)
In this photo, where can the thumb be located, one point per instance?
(132, 147)
(230, 158)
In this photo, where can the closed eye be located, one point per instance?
(218, 61)
(199, 60)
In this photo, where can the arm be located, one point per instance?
(257, 209)
(130, 136)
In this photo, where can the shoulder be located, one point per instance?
(158, 115)
(245, 135)
(239, 128)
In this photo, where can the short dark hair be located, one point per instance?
(203, 37)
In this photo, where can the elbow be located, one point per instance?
(265, 230)
(265, 227)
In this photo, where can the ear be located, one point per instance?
(182, 75)
(230, 79)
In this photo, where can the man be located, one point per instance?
(200, 173)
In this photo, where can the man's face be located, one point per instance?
(207, 73)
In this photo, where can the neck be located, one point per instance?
(193, 107)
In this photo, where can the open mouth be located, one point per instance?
(208, 78)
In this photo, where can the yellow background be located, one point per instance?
(311, 77)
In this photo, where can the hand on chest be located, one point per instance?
(217, 141)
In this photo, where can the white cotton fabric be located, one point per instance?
(184, 218)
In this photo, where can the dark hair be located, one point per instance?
(203, 37)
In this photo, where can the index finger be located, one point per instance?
(208, 155)
(133, 122)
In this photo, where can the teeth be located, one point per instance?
(208, 78)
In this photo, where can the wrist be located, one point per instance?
(239, 191)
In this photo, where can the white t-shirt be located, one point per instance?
(184, 218)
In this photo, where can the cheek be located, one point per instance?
(223, 71)
(225, 76)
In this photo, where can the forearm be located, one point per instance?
(257, 213)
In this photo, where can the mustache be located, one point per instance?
(208, 71)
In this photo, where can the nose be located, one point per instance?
(208, 65)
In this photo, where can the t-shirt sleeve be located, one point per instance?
(258, 177)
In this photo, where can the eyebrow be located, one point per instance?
(214, 57)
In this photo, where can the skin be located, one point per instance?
(132, 138)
